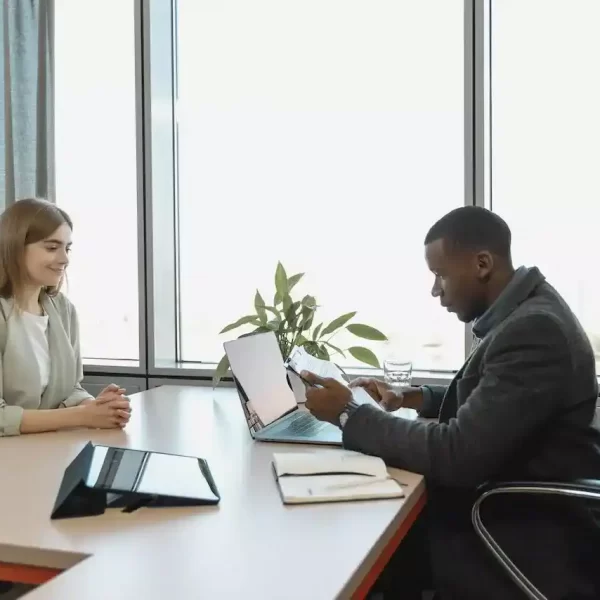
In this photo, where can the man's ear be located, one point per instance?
(485, 265)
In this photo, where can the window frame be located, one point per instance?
(158, 225)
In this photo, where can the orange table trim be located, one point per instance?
(383, 559)
(26, 573)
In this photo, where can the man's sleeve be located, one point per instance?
(432, 400)
(523, 382)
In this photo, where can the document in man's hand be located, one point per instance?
(333, 477)
(300, 360)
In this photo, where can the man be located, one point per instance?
(521, 407)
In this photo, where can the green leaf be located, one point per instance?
(308, 311)
(315, 334)
(364, 355)
(335, 349)
(312, 348)
(293, 280)
(274, 312)
(273, 325)
(281, 280)
(291, 317)
(309, 302)
(307, 321)
(301, 340)
(323, 352)
(366, 332)
(243, 321)
(259, 306)
(337, 323)
(220, 371)
(277, 299)
(287, 303)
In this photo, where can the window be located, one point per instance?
(96, 176)
(328, 135)
(545, 134)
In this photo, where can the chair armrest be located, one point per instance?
(583, 489)
(576, 488)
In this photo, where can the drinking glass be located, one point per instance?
(397, 373)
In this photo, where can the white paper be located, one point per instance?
(298, 490)
(342, 462)
(298, 387)
(363, 397)
(300, 360)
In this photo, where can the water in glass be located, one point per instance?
(397, 373)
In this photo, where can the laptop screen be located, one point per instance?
(257, 365)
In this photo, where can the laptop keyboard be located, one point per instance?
(302, 425)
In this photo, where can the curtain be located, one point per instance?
(26, 111)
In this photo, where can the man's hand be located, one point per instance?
(327, 402)
(387, 397)
(380, 391)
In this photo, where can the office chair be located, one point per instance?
(584, 489)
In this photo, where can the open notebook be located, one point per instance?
(333, 477)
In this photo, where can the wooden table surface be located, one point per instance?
(249, 546)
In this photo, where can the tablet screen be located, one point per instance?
(152, 473)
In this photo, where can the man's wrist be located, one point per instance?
(413, 397)
(348, 411)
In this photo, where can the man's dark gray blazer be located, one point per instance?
(522, 407)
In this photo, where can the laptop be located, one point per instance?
(269, 404)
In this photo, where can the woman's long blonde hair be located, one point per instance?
(25, 222)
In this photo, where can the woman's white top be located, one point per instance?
(37, 329)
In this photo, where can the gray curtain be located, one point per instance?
(26, 111)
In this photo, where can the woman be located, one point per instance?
(40, 366)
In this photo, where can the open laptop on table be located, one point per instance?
(268, 402)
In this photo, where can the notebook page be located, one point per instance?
(297, 490)
(307, 463)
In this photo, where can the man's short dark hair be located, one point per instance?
(473, 228)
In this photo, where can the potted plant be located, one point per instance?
(293, 322)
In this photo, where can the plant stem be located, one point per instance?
(288, 346)
(296, 336)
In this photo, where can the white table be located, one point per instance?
(250, 546)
